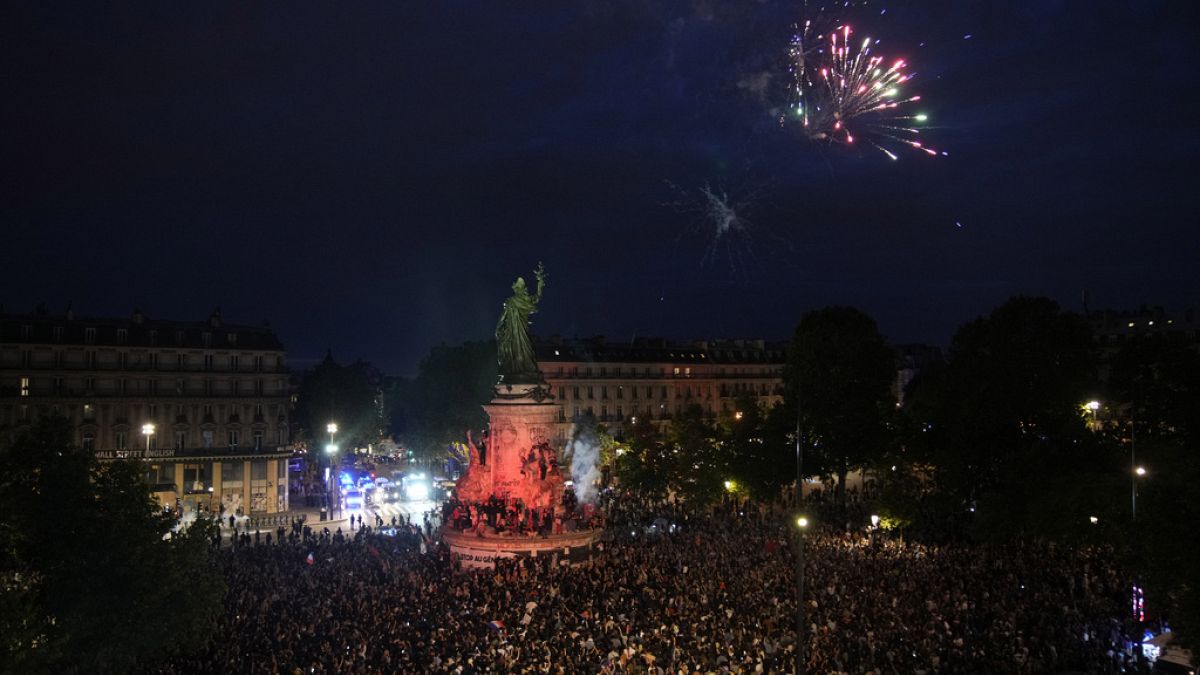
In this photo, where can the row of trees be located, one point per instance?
(992, 443)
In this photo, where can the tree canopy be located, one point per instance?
(838, 375)
(92, 583)
(446, 397)
(349, 396)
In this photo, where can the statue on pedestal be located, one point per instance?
(514, 349)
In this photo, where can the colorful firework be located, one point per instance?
(842, 91)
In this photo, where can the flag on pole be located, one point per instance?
(310, 560)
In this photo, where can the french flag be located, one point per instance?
(310, 559)
(496, 625)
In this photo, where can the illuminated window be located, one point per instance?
(24, 386)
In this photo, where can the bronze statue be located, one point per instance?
(514, 349)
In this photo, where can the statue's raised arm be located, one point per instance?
(514, 349)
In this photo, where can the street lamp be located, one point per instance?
(330, 478)
(332, 429)
(802, 522)
(1138, 472)
(148, 431)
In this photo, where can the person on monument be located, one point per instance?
(514, 350)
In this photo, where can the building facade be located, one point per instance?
(656, 379)
(204, 405)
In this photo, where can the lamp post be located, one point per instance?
(331, 451)
(148, 431)
(331, 478)
(802, 523)
(1138, 472)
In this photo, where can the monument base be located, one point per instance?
(480, 552)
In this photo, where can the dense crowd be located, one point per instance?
(711, 592)
(511, 517)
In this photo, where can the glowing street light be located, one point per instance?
(874, 521)
(737, 415)
(332, 429)
(331, 449)
(1093, 519)
(148, 431)
(1141, 471)
(802, 522)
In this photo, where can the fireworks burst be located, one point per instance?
(721, 221)
(839, 84)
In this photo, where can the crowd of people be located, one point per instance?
(696, 592)
(498, 516)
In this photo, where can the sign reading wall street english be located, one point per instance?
(142, 453)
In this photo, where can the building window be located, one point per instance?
(24, 386)
(89, 336)
(122, 336)
(677, 371)
(561, 393)
(180, 440)
(258, 364)
(152, 360)
(231, 338)
(258, 440)
(603, 371)
(620, 392)
(233, 438)
(575, 393)
(58, 333)
(603, 412)
(89, 411)
(206, 339)
(632, 392)
(179, 338)
(153, 338)
(604, 392)
(575, 412)
(179, 385)
(89, 442)
(662, 393)
(281, 435)
(122, 438)
(208, 361)
(180, 362)
(233, 363)
(206, 437)
(620, 413)
(26, 331)
(58, 385)
(588, 371)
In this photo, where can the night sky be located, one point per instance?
(372, 176)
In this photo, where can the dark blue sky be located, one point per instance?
(372, 176)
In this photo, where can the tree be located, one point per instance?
(1156, 379)
(349, 396)
(447, 396)
(838, 375)
(759, 446)
(683, 459)
(106, 585)
(1001, 422)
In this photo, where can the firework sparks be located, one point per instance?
(841, 87)
(721, 222)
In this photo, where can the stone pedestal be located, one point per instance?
(519, 463)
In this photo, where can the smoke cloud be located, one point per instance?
(585, 462)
